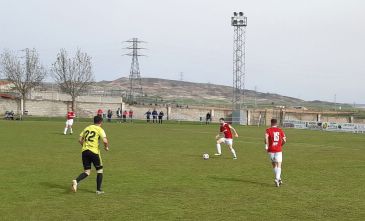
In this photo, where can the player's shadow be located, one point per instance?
(233, 179)
(67, 189)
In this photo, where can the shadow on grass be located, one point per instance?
(66, 188)
(233, 179)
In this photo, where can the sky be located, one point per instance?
(308, 49)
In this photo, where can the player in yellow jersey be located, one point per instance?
(89, 140)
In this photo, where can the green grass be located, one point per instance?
(156, 172)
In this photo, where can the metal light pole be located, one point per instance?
(239, 23)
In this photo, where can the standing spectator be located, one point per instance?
(110, 113)
(119, 114)
(148, 115)
(154, 116)
(125, 114)
(131, 115)
(99, 113)
(160, 116)
(208, 118)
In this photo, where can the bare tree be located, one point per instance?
(25, 75)
(73, 75)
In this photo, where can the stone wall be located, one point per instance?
(88, 108)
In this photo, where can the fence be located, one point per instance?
(325, 126)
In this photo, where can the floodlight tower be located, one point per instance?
(135, 83)
(239, 23)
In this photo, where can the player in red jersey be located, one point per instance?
(225, 129)
(69, 121)
(274, 141)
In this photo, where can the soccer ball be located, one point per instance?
(205, 156)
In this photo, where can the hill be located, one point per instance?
(190, 93)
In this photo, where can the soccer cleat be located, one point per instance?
(74, 186)
(280, 182)
(217, 154)
(98, 192)
(235, 158)
(277, 183)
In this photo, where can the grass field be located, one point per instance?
(156, 172)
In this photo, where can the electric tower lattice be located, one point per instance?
(135, 90)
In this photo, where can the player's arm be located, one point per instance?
(234, 130)
(266, 141)
(81, 140)
(105, 140)
(106, 143)
(284, 139)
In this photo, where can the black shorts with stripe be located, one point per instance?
(89, 157)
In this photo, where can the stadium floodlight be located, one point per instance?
(239, 23)
(239, 19)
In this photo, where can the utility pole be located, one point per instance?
(135, 90)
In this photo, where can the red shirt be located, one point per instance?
(276, 136)
(100, 112)
(226, 130)
(70, 115)
(130, 113)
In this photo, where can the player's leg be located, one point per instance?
(86, 161)
(229, 142)
(279, 160)
(276, 159)
(66, 127)
(98, 164)
(218, 145)
(70, 123)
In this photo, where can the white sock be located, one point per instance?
(219, 149)
(234, 153)
(70, 130)
(278, 173)
(65, 131)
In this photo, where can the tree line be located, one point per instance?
(72, 74)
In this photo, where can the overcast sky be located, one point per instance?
(309, 49)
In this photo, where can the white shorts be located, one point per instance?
(276, 157)
(69, 122)
(227, 141)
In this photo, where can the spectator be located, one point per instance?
(131, 115)
(208, 118)
(148, 115)
(119, 115)
(125, 114)
(160, 116)
(110, 113)
(99, 113)
(154, 116)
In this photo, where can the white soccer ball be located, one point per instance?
(205, 156)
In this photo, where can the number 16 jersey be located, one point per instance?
(276, 136)
(92, 135)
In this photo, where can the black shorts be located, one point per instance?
(89, 157)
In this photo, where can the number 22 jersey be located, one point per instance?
(92, 135)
